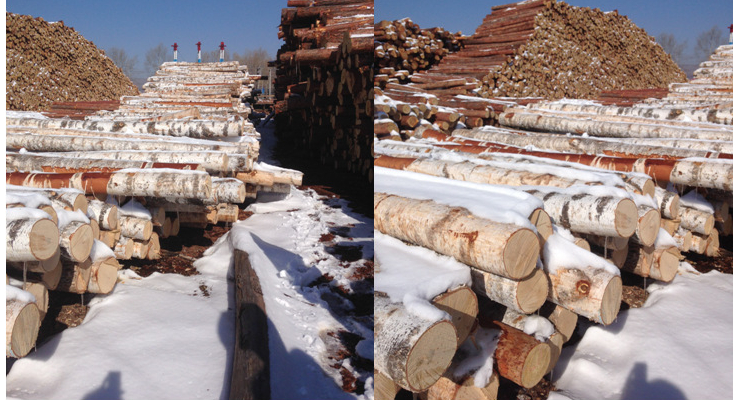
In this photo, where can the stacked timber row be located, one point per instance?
(323, 85)
(51, 245)
(79, 109)
(402, 48)
(48, 62)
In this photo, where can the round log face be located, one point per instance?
(535, 365)
(625, 219)
(462, 305)
(532, 292)
(82, 243)
(427, 363)
(520, 253)
(23, 328)
(611, 300)
(44, 239)
(648, 227)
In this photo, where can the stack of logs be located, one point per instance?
(574, 52)
(78, 110)
(663, 189)
(48, 61)
(402, 48)
(114, 184)
(323, 82)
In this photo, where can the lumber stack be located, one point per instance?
(49, 62)
(403, 48)
(323, 82)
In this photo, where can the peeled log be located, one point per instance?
(412, 351)
(103, 275)
(30, 239)
(76, 241)
(22, 323)
(591, 292)
(604, 216)
(135, 228)
(504, 249)
(524, 296)
(462, 305)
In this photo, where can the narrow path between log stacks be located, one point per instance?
(167, 329)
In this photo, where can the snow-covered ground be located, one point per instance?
(169, 336)
(677, 346)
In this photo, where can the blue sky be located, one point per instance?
(137, 25)
(685, 19)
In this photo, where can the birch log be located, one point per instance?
(504, 249)
(591, 292)
(519, 357)
(648, 225)
(124, 248)
(22, 323)
(76, 241)
(103, 275)
(462, 306)
(75, 276)
(562, 319)
(448, 387)
(135, 228)
(525, 295)
(665, 264)
(696, 220)
(30, 239)
(605, 216)
(211, 161)
(39, 291)
(412, 351)
(667, 203)
(229, 190)
(384, 387)
(67, 164)
(639, 259)
(105, 214)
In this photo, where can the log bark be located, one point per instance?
(124, 248)
(76, 241)
(519, 357)
(665, 264)
(75, 276)
(593, 293)
(412, 351)
(211, 161)
(22, 323)
(103, 275)
(30, 239)
(462, 305)
(605, 216)
(696, 220)
(525, 295)
(135, 228)
(39, 291)
(667, 203)
(229, 190)
(504, 249)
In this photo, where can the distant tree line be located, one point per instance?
(704, 46)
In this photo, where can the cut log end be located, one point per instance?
(611, 300)
(43, 239)
(625, 220)
(532, 292)
(536, 365)
(431, 355)
(22, 323)
(541, 220)
(81, 242)
(648, 227)
(520, 254)
(462, 305)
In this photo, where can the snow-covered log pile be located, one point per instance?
(402, 48)
(710, 88)
(554, 50)
(323, 83)
(48, 61)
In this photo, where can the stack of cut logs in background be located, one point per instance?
(402, 48)
(48, 62)
(665, 192)
(323, 82)
(82, 194)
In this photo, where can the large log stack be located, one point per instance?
(638, 187)
(48, 61)
(557, 50)
(324, 81)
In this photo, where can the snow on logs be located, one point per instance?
(505, 249)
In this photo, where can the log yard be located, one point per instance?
(552, 204)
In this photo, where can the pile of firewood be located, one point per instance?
(48, 61)
(402, 48)
(557, 50)
(323, 84)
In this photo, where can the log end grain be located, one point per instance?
(625, 218)
(103, 276)
(611, 300)
(532, 292)
(44, 239)
(520, 253)
(81, 242)
(541, 220)
(648, 227)
(22, 323)
(462, 305)
(431, 355)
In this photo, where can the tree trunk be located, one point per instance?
(525, 295)
(665, 264)
(412, 351)
(462, 305)
(75, 276)
(22, 323)
(76, 241)
(211, 161)
(519, 357)
(106, 215)
(593, 293)
(504, 249)
(30, 239)
(229, 190)
(135, 228)
(39, 292)
(667, 203)
(103, 275)
(696, 220)
(124, 248)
